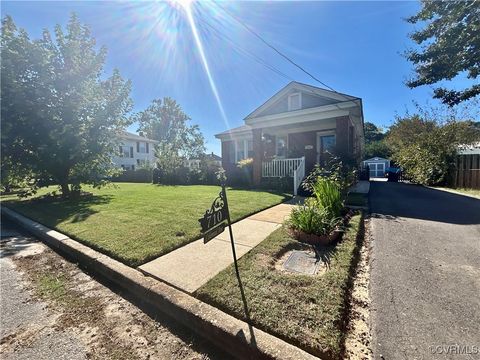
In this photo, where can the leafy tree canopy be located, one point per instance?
(377, 148)
(60, 117)
(449, 46)
(374, 142)
(372, 133)
(425, 148)
(165, 121)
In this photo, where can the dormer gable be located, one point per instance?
(297, 96)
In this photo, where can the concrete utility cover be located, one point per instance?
(302, 262)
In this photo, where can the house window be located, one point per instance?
(243, 149)
(230, 151)
(328, 143)
(240, 151)
(250, 148)
(294, 101)
(142, 147)
(281, 146)
(124, 151)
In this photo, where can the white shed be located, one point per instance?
(377, 166)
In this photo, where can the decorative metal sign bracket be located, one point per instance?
(213, 222)
(217, 213)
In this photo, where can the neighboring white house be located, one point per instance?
(195, 163)
(470, 149)
(377, 166)
(135, 151)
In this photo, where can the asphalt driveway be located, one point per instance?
(425, 273)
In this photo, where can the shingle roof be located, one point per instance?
(239, 129)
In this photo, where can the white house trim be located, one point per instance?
(296, 117)
(233, 136)
(299, 87)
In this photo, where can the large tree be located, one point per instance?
(165, 121)
(449, 46)
(60, 115)
(372, 132)
(375, 144)
(425, 148)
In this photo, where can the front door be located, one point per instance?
(325, 144)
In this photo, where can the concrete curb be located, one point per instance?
(228, 333)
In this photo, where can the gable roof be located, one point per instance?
(376, 158)
(334, 96)
(131, 136)
(235, 131)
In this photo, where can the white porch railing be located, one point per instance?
(298, 176)
(285, 168)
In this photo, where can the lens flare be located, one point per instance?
(187, 5)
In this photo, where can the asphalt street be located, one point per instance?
(425, 273)
(35, 327)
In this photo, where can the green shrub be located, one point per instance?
(343, 173)
(141, 175)
(322, 214)
(311, 218)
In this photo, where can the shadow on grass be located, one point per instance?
(248, 319)
(51, 211)
(324, 253)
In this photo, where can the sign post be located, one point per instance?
(213, 224)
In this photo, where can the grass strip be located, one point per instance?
(307, 311)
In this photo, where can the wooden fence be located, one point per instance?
(467, 172)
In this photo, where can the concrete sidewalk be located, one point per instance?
(361, 187)
(192, 265)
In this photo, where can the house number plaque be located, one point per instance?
(213, 222)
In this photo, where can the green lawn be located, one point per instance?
(308, 311)
(135, 223)
(474, 192)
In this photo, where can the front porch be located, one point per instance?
(280, 168)
(298, 127)
(290, 151)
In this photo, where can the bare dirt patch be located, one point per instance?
(358, 337)
(108, 325)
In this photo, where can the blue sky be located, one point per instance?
(354, 47)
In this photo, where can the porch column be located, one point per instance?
(341, 134)
(257, 156)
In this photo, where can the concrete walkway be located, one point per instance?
(192, 265)
(425, 274)
(361, 187)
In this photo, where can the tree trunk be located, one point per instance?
(65, 189)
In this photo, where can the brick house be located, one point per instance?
(294, 130)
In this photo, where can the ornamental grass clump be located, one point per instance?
(328, 195)
(320, 215)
